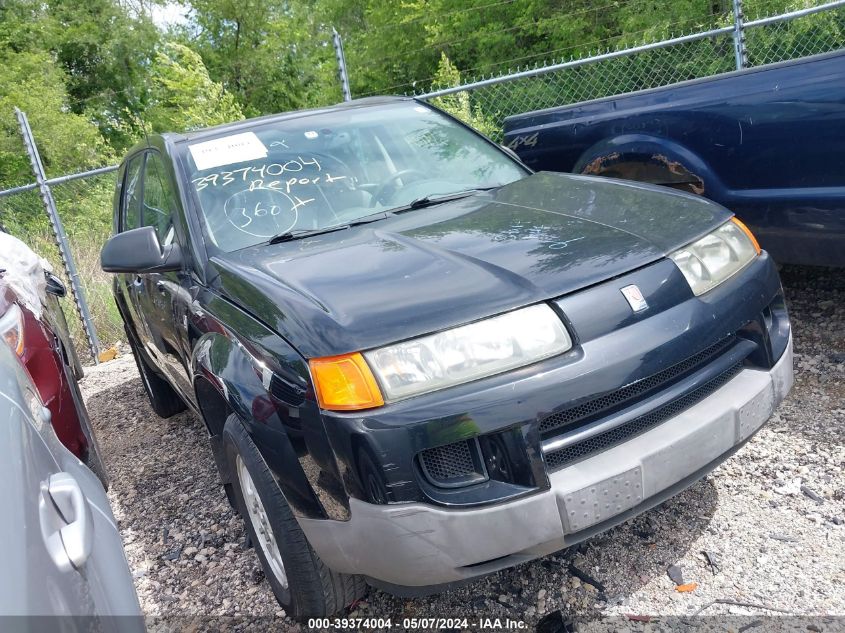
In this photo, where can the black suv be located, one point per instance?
(418, 361)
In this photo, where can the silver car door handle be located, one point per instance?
(67, 525)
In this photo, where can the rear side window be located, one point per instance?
(159, 199)
(131, 205)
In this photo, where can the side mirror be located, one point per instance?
(139, 251)
(55, 285)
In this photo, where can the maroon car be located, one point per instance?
(42, 343)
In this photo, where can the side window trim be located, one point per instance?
(141, 155)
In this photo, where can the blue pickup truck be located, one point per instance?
(768, 143)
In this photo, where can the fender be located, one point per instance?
(266, 385)
(652, 159)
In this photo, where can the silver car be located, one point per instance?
(62, 554)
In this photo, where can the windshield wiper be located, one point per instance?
(419, 203)
(430, 201)
(289, 236)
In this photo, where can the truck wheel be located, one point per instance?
(163, 398)
(304, 586)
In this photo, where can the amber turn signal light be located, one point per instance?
(748, 232)
(345, 383)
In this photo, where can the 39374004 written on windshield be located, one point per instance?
(327, 170)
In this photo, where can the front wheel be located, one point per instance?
(303, 585)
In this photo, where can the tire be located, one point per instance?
(163, 398)
(303, 585)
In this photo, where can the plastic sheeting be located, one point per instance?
(24, 272)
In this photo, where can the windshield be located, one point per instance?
(323, 170)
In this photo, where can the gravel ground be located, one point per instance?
(770, 519)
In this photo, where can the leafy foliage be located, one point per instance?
(94, 76)
(458, 104)
(67, 141)
(181, 94)
(261, 51)
(105, 52)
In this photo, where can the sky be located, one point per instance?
(169, 14)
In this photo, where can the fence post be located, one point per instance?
(739, 36)
(341, 65)
(59, 232)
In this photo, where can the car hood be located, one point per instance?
(425, 270)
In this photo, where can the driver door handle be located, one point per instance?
(67, 525)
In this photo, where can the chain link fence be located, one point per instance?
(775, 41)
(485, 104)
(85, 207)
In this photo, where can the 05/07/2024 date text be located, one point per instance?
(428, 624)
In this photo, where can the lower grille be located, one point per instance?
(452, 465)
(603, 441)
(631, 392)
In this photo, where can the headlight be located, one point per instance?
(469, 352)
(717, 256)
(11, 328)
(492, 346)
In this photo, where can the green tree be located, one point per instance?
(384, 42)
(106, 51)
(67, 141)
(103, 49)
(458, 104)
(260, 51)
(394, 49)
(181, 94)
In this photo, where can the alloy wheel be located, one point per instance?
(261, 523)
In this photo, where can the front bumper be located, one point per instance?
(421, 545)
